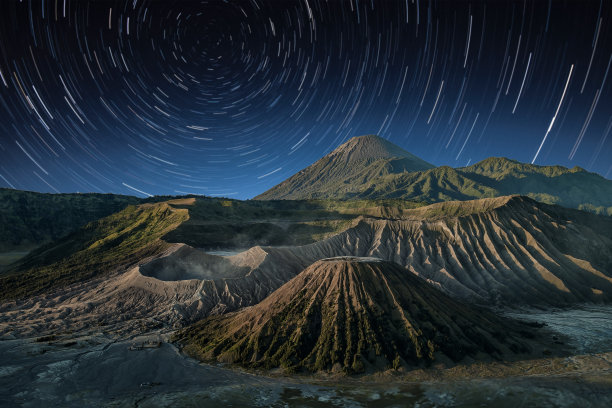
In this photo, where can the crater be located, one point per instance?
(353, 259)
(188, 263)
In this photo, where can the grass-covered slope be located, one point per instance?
(494, 177)
(353, 315)
(29, 219)
(575, 187)
(435, 185)
(98, 248)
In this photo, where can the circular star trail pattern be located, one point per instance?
(227, 98)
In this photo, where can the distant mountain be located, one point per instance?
(493, 177)
(362, 158)
(354, 315)
(575, 187)
(29, 219)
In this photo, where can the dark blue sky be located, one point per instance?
(231, 97)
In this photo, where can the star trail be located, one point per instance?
(227, 98)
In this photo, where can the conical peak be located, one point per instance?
(365, 157)
(369, 147)
(366, 139)
(364, 271)
(348, 264)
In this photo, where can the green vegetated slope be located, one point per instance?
(494, 177)
(353, 315)
(98, 248)
(575, 187)
(380, 178)
(29, 219)
(353, 163)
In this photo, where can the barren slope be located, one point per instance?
(508, 250)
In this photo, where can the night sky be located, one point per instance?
(228, 98)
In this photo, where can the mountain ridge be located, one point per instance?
(29, 219)
(385, 178)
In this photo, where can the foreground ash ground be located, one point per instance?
(100, 370)
(469, 288)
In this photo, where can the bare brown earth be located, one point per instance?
(509, 251)
(357, 315)
(505, 251)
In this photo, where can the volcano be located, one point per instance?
(356, 162)
(355, 314)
